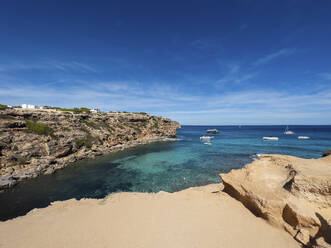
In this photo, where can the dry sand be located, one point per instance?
(196, 217)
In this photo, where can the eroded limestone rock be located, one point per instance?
(289, 192)
(73, 136)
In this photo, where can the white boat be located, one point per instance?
(255, 156)
(303, 137)
(206, 138)
(287, 131)
(212, 131)
(270, 138)
(208, 143)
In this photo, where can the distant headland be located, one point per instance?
(38, 140)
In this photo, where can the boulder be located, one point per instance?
(7, 181)
(289, 192)
(64, 150)
(326, 153)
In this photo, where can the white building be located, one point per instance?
(28, 106)
(94, 111)
(31, 106)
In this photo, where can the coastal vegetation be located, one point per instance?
(97, 124)
(39, 128)
(34, 142)
(86, 141)
(2, 106)
(74, 110)
(6, 117)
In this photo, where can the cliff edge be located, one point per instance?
(34, 142)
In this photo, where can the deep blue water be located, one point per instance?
(169, 166)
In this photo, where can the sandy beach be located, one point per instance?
(196, 217)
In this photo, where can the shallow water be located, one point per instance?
(169, 166)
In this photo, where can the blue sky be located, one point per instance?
(198, 62)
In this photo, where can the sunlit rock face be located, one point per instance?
(289, 192)
(34, 142)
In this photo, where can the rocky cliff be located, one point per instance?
(289, 192)
(34, 142)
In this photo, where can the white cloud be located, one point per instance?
(269, 57)
(243, 106)
(234, 76)
(259, 107)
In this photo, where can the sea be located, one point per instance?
(164, 166)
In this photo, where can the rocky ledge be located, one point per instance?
(34, 142)
(289, 192)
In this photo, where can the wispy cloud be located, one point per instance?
(105, 95)
(245, 107)
(48, 65)
(259, 107)
(269, 57)
(234, 76)
(325, 76)
(215, 103)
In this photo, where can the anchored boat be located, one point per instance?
(287, 131)
(270, 138)
(303, 137)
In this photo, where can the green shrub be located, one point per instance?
(97, 125)
(85, 130)
(11, 164)
(6, 117)
(75, 110)
(87, 141)
(92, 124)
(3, 107)
(86, 110)
(138, 130)
(110, 129)
(120, 136)
(22, 161)
(155, 124)
(39, 128)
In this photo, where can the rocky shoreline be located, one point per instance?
(35, 142)
(290, 193)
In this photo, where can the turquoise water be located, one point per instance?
(169, 166)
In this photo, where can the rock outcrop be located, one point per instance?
(34, 142)
(326, 153)
(289, 192)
